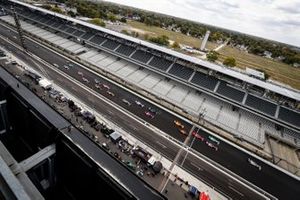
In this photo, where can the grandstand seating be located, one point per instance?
(63, 27)
(261, 105)
(87, 36)
(141, 56)
(97, 39)
(70, 30)
(35, 17)
(269, 127)
(110, 44)
(249, 126)
(230, 92)
(291, 133)
(78, 33)
(181, 71)
(289, 116)
(56, 25)
(50, 23)
(107, 61)
(160, 63)
(228, 117)
(44, 19)
(212, 106)
(125, 50)
(64, 35)
(204, 81)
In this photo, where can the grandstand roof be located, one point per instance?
(293, 94)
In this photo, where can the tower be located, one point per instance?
(203, 44)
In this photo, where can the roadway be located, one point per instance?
(269, 179)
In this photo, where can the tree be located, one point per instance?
(98, 22)
(125, 32)
(229, 61)
(112, 17)
(135, 34)
(123, 19)
(216, 36)
(46, 6)
(212, 56)
(56, 9)
(148, 21)
(146, 36)
(175, 45)
(162, 40)
(71, 13)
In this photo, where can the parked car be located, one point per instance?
(131, 165)
(149, 114)
(105, 146)
(153, 110)
(97, 86)
(126, 102)
(105, 86)
(211, 145)
(198, 136)
(139, 104)
(214, 140)
(96, 81)
(110, 93)
(252, 162)
(178, 123)
(66, 67)
(183, 132)
(85, 80)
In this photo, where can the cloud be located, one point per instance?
(290, 9)
(230, 4)
(287, 6)
(292, 22)
(213, 5)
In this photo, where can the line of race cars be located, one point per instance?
(211, 142)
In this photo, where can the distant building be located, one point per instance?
(280, 58)
(296, 65)
(267, 54)
(255, 73)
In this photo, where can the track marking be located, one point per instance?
(110, 112)
(195, 165)
(235, 190)
(161, 144)
(134, 128)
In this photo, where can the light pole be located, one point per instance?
(201, 115)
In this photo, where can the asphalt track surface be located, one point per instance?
(268, 178)
(135, 187)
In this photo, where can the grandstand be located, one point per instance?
(233, 101)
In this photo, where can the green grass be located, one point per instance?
(276, 70)
(178, 37)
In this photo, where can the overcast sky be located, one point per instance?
(273, 19)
